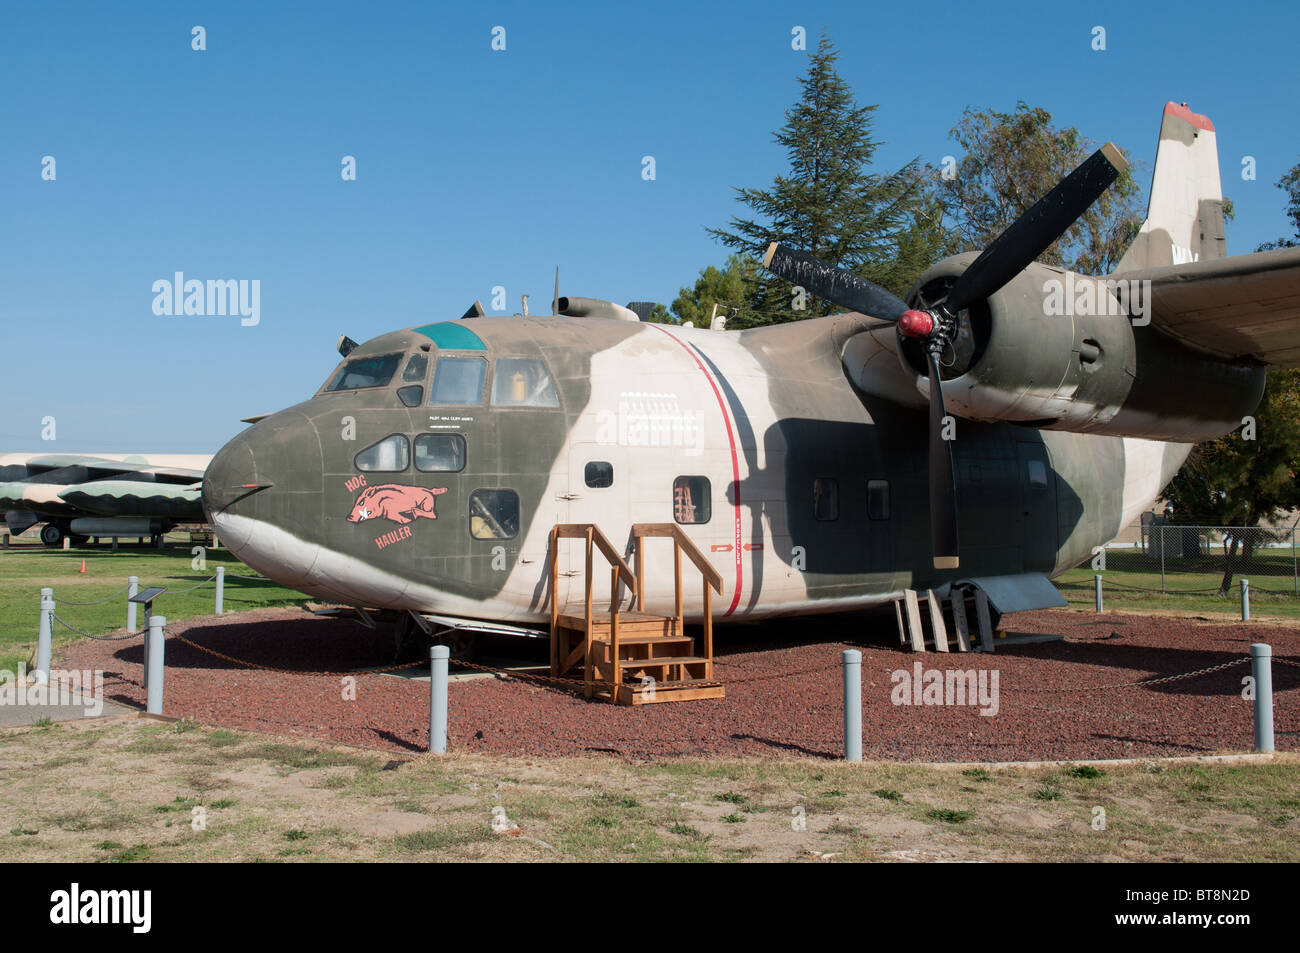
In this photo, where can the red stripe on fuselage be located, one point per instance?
(735, 464)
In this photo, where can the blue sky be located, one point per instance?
(478, 168)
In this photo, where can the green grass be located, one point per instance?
(26, 569)
(1132, 580)
(947, 816)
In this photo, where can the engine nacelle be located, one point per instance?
(1062, 351)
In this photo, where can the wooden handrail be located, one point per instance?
(580, 530)
(674, 532)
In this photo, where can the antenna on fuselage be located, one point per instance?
(555, 301)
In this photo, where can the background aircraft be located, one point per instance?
(110, 494)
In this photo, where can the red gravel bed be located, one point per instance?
(767, 712)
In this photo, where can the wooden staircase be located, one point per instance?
(632, 657)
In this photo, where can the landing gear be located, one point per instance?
(412, 642)
(52, 535)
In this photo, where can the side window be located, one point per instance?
(522, 382)
(826, 499)
(458, 380)
(598, 474)
(878, 499)
(440, 452)
(392, 453)
(494, 514)
(692, 502)
(412, 395)
(1037, 474)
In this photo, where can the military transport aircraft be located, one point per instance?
(103, 494)
(815, 463)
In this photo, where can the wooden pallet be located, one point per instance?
(929, 628)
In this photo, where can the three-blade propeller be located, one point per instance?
(1008, 255)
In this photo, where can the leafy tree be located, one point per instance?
(830, 203)
(1010, 161)
(1290, 184)
(1234, 481)
(729, 288)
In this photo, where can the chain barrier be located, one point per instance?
(1142, 682)
(293, 671)
(97, 602)
(181, 592)
(768, 678)
(97, 638)
(558, 680)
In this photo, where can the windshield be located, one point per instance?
(365, 372)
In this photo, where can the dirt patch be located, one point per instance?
(125, 790)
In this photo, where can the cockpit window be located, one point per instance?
(416, 367)
(458, 380)
(392, 454)
(365, 372)
(523, 382)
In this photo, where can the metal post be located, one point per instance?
(44, 635)
(1295, 570)
(132, 588)
(438, 656)
(154, 666)
(1162, 557)
(1261, 667)
(221, 588)
(1245, 600)
(1096, 584)
(852, 705)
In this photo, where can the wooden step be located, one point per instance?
(652, 639)
(666, 692)
(660, 662)
(630, 623)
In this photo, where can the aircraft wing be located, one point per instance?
(1243, 306)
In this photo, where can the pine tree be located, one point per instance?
(830, 204)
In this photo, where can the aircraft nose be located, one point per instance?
(229, 478)
(262, 494)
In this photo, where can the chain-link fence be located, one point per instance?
(1174, 557)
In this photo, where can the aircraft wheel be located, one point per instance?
(52, 535)
(463, 645)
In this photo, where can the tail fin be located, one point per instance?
(1185, 213)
